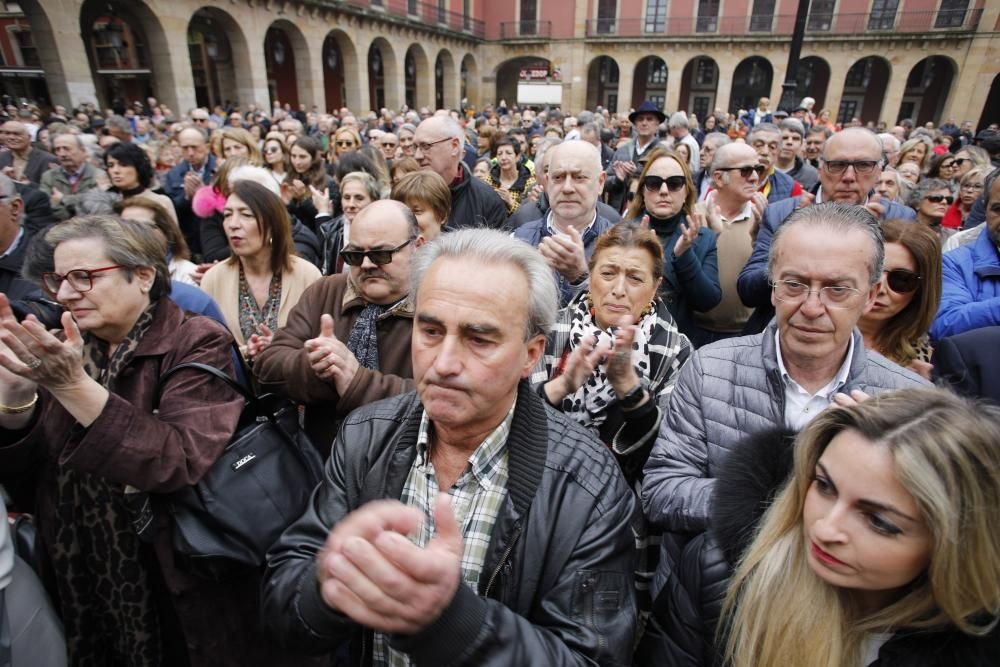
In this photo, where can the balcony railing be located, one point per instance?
(784, 24)
(430, 14)
(525, 29)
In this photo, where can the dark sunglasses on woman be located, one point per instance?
(902, 281)
(937, 199)
(654, 183)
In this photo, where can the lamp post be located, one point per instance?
(791, 73)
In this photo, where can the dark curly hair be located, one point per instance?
(130, 155)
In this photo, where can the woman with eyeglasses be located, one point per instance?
(306, 171)
(943, 166)
(263, 278)
(930, 198)
(970, 188)
(969, 158)
(78, 419)
(276, 156)
(665, 202)
(908, 296)
(345, 140)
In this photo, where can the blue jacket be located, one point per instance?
(781, 187)
(747, 118)
(752, 285)
(691, 281)
(533, 232)
(970, 292)
(173, 186)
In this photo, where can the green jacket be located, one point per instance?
(55, 179)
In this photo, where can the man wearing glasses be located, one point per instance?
(850, 166)
(824, 271)
(439, 147)
(347, 341)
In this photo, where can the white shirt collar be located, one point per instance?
(801, 407)
(838, 381)
(17, 241)
(552, 230)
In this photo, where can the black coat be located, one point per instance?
(475, 204)
(969, 363)
(557, 584)
(39, 162)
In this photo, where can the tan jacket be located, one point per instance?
(222, 283)
(284, 366)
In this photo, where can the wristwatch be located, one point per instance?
(633, 398)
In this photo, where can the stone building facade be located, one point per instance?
(873, 59)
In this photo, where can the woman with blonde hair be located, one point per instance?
(917, 150)
(237, 142)
(882, 548)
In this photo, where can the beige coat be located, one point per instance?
(222, 283)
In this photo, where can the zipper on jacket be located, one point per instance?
(503, 559)
(589, 584)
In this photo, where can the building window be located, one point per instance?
(705, 73)
(951, 14)
(708, 16)
(467, 14)
(442, 11)
(883, 16)
(657, 74)
(859, 75)
(848, 110)
(411, 7)
(659, 101)
(763, 14)
(821, 15)
(529, 10)
(656, 16)
(606, 14)
(700, 106)
(26, 45)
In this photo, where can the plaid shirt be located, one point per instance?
(476, 498)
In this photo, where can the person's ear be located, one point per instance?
(146, 276)
(535, 348)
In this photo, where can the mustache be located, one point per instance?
(373, 273)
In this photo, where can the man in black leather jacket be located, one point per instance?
(552, 579)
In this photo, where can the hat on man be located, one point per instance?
(647, 107)
(780, 113)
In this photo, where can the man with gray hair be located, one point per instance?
(703, 177)
(890, 147)
(467, 522)
(439, 146)
(790, 155)
(679, 130)
(21, 161)
(776, 185)
(76, 175)
(825, 267)
(567, 234)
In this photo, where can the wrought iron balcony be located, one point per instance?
(525, 29)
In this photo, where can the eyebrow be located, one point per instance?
(467, 327)
(867, 503)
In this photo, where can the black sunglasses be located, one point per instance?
(746, 171)
(937, 199)
(378, 257)
(654, 183)
(902, 281)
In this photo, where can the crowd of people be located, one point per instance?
(591, 388)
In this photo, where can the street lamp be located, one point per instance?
(791, 73)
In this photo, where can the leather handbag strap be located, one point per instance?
(247, 394)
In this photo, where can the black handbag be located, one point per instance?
(259, 485)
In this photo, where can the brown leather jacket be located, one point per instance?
(284, 367)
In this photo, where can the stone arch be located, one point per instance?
(812, 80)
(446, 94)
(53, 87)
(126, 37)
(384, 81)
(991, 109)
(469, 86)
(864, 90)
(340, 57)
(603, 75)
(417, 77)
(751, 80)
(699, 86)
(286, 54)
(220, 58)
(927, 87)
(649, 82)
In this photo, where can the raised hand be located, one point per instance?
(875, 205)
(321, 200)
(565, 253)
(689, 232)
(580, 365)
(621, 373)
(259, 341)
(329, 357)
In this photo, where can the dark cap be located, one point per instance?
(647, 107)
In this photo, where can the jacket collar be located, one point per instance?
(985, 256)
(859, 360)
(161, 335)
(354, 299)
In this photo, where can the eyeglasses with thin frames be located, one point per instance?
(82, 280)
(831, 296)
(424, 147)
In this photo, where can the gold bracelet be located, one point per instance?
(16, 410)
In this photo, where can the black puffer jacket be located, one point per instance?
(557, 581)
(687, 609)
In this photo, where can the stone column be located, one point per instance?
(675, 77)
(173, 81)
(893, 98)
(626, 77)
(724, 86)
(55, 27)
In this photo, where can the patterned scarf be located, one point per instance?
(588, 405)
(105, 581)
(363, 340)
